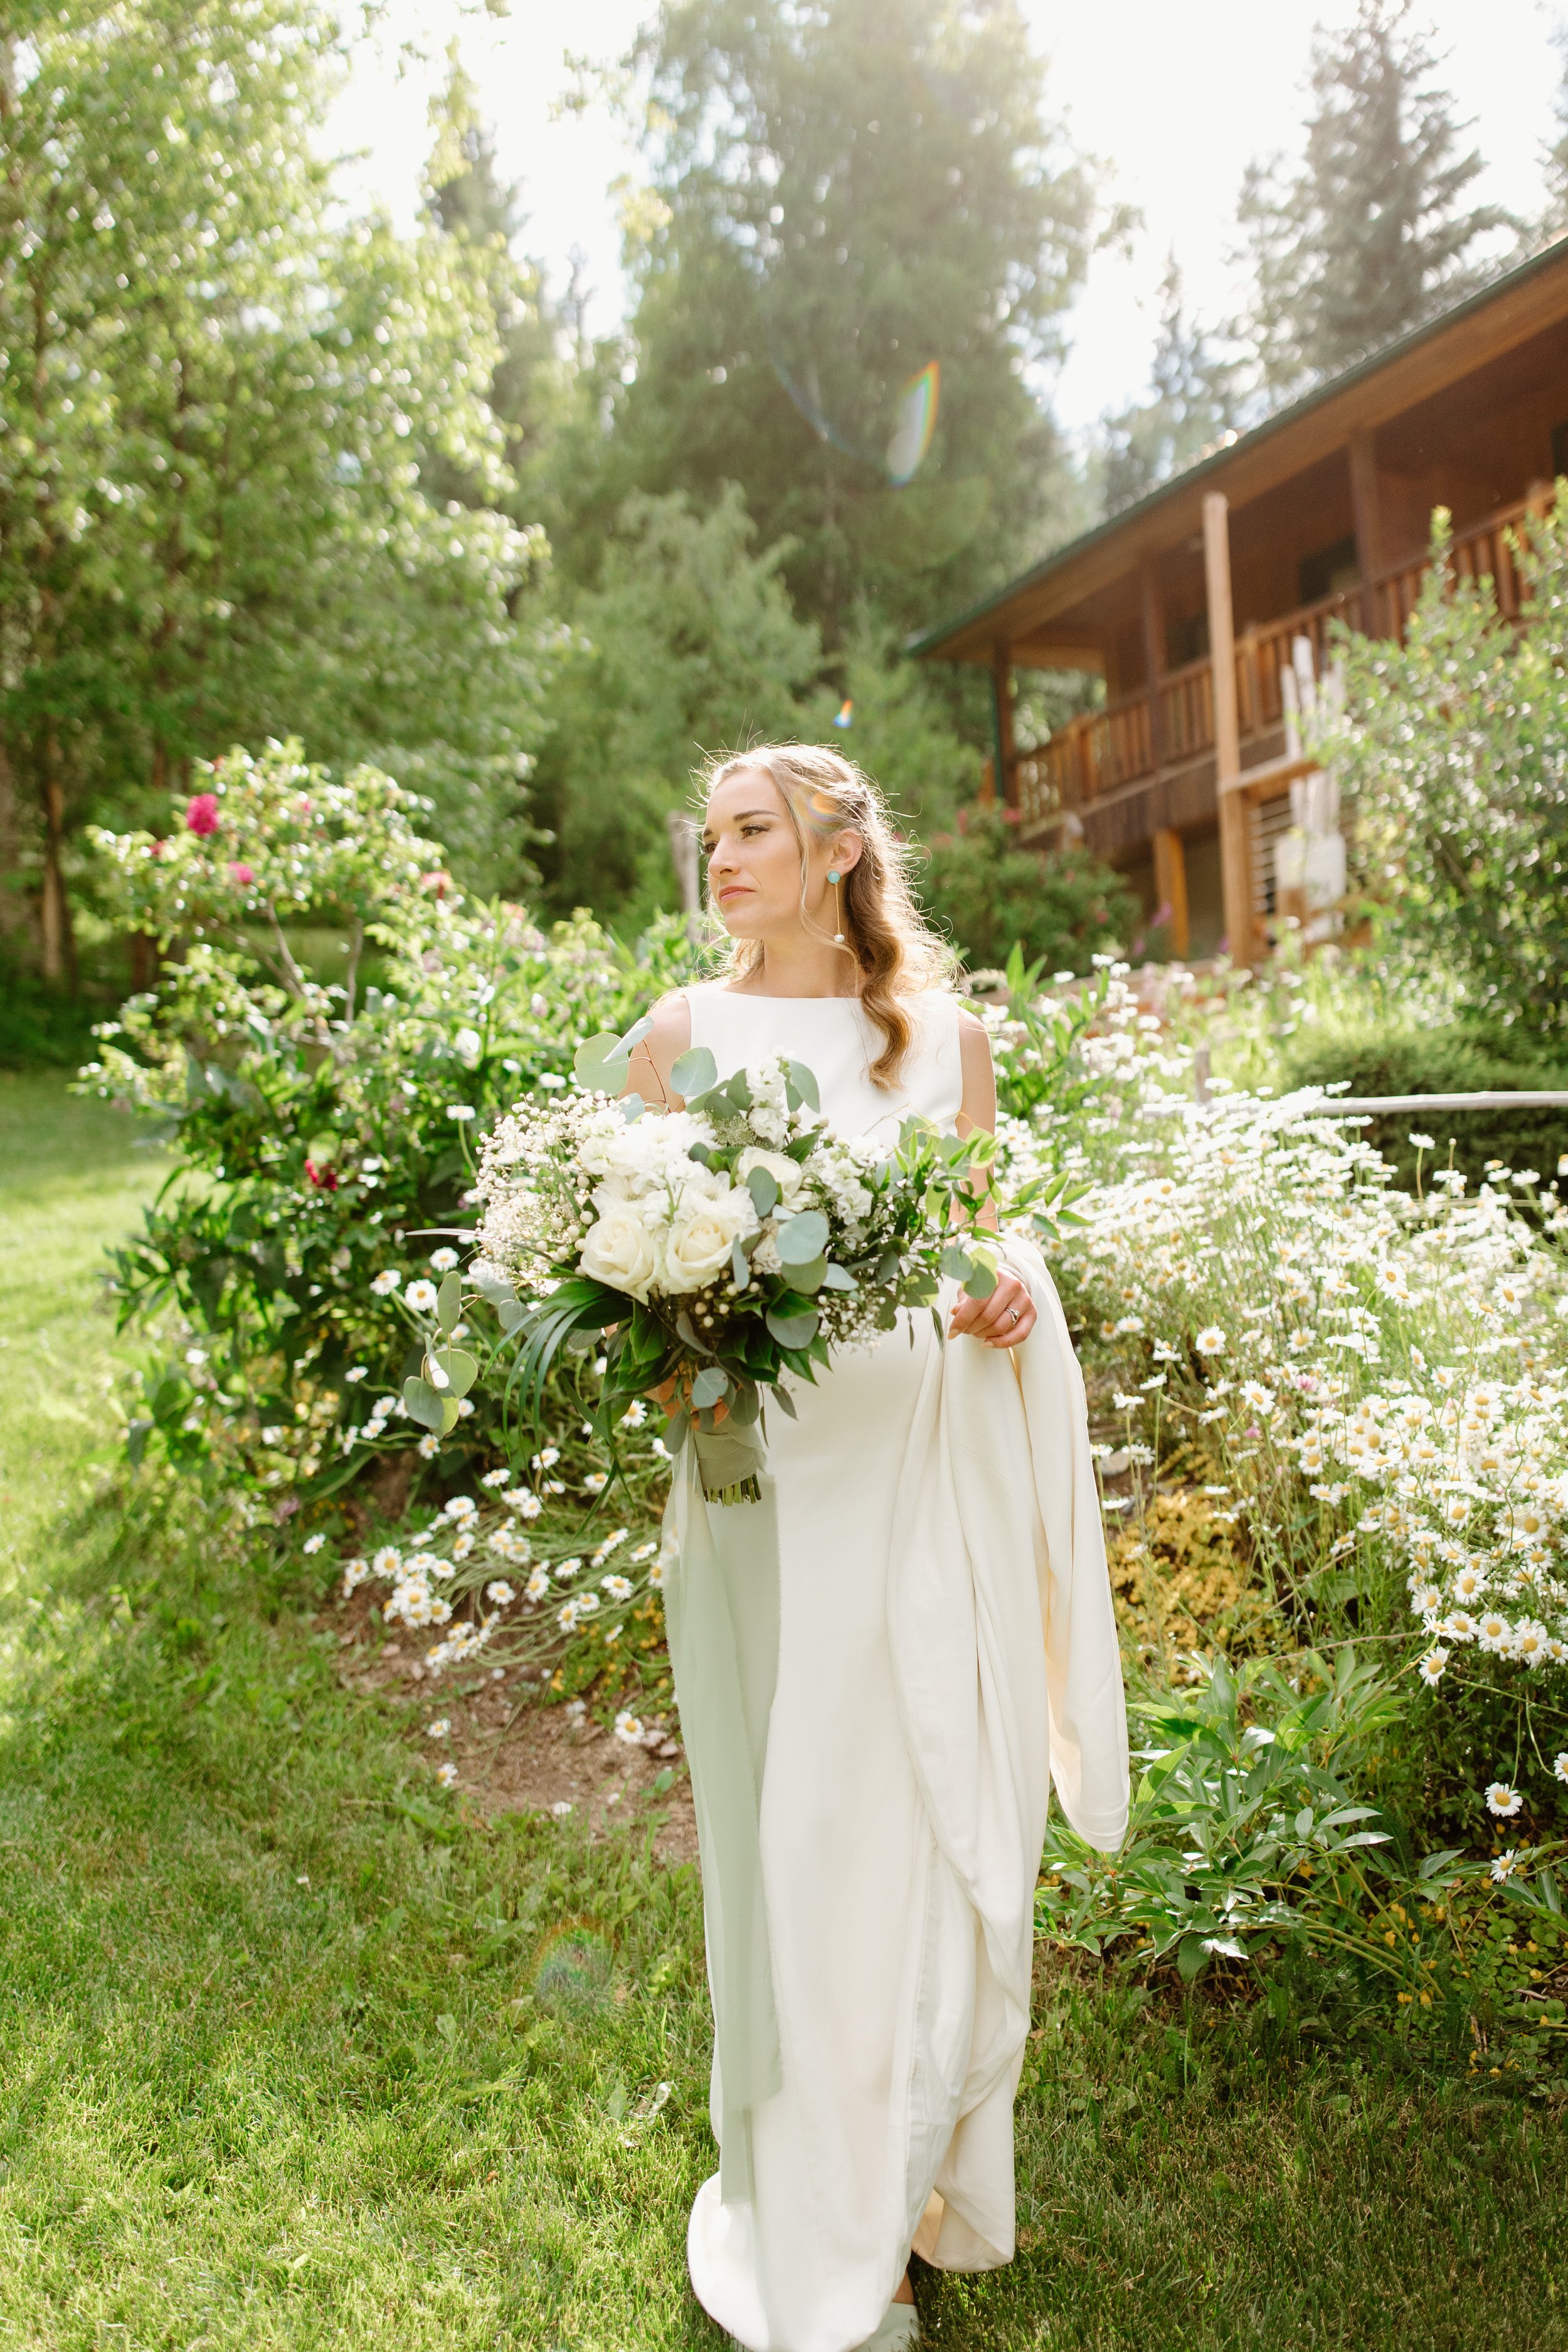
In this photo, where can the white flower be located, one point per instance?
(439, 1729)
(699, 1242)
(1505, 1864)
(461, 1112)
(1210, 1341)
(635, 1415)
(526, 1503)
(561, 1808)
(314, 1543)
(1494, 1634)
(499, 1592)
(1469, 1584)
(1423, 1143)
(273, 1436)
(448, 1775)
(1256, 1396)
(387, 1561)
(1503, 1800)
(420, 1297)
(549, 1078)
(618, 1250)
(642, 1551)
(444, 1260)
(386, 1282)
(566, 1570)
(467, 1046)
(1432, 1665)
(354, 1574)
(496, 1478)
(538, 1584)
(1560, 1764)
(427, 1448)
(619, 1588)
(630, 1729)
(1529, 1640)
(357, 1372)
(595, 1481)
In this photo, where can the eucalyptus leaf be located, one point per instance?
(835, 1278)
(449, 1301)
(762, 1186)
(982, 1281)
(694, 1072)
(803, 1081)
(511, 1312)
(491, 1284)
(809, 1278)
(792, 1330)
(712, 1383)
(424, 1406)
(600, 1065)
(740, 1266)
(802, 1238)
(957, 1262)
(459, 1371)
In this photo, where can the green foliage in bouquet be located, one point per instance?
(718, 1247)
(325, 1131)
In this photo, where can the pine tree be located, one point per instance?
(1195, 396)
(1368, 235)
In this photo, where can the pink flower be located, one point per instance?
(324, 1178)
(201, 812)
(439, 881)
(241, 876)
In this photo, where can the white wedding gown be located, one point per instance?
(946, 1647)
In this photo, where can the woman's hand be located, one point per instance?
(1001, 1320)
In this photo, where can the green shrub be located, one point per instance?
(1454, 1059)
(991, 894)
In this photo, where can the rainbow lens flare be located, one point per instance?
(847, 714)
(912, 433)
(575, 1968)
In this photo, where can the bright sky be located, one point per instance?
(1176, 100)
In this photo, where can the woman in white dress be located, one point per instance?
(936, 1647)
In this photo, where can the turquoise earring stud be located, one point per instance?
(833, 874)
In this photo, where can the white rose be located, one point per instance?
(619, 1250)
(786, 1172)
(699, 1242)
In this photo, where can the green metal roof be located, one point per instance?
(926, 640)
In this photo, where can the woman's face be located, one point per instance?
(753, 860)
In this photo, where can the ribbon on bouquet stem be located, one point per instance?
(722, 1618)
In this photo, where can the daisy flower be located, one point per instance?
(1504, 1865)
(444, 1260)
(1560, 1764)
(387, 1561)
(448, 1775)
(440, 1729)
(1494, 1633)
(427, 1448)
(538, 1584)
(386, 1282)
(1210, 1341)
(619, 1588)
(496, 1478)
(1503, 1800)
(314, 1543)
(1432, 1666)
(629, 1727)
(499, 1592)
(420, 1297)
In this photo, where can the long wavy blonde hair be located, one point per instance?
(896, 952)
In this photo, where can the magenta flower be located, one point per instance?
(241, 876)
(201, 814)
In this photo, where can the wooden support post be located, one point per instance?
(1236, 874)
(1170, 887)
(1366, 510)
(1002, 711)
(1153, 654)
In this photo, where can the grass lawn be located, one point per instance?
(293, 2052)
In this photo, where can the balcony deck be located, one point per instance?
(1105, 768)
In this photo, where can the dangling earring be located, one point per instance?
(835, 878)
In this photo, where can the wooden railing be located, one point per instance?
(1141, 733)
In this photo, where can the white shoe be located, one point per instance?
(901, 2326)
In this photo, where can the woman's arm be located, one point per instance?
(1008, 1315)
(656, 1053)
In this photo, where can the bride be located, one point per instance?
(928, 1644)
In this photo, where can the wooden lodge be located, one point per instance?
(1204, 605)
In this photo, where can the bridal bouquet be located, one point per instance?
(716, 1247)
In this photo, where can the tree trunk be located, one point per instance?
(59, 943)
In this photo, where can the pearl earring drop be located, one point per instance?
(833, 877)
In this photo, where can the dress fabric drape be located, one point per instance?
(935, 1617)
